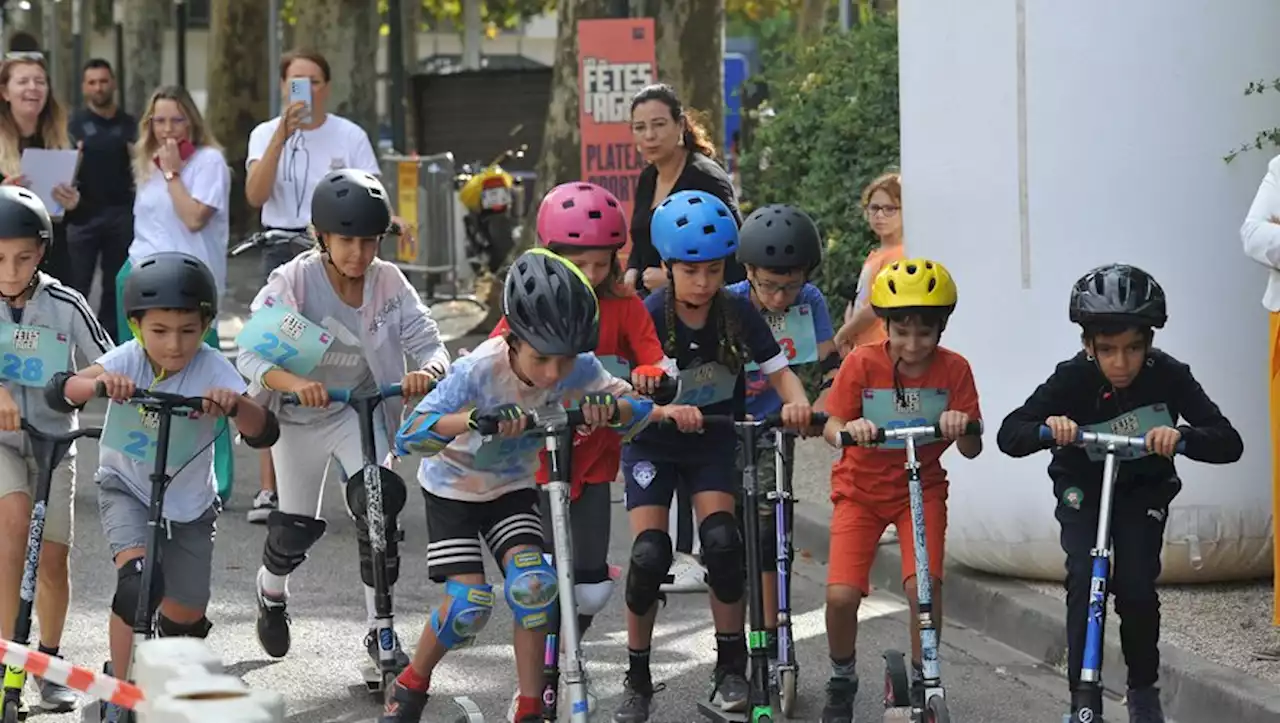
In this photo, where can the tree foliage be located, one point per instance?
(829, 128)
(1269, 138)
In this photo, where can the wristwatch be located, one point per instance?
(169, 176)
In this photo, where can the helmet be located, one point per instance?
(913, 285)
(23, 215)
(351, 203)
(550, 304)
(781, 237)
(1118, 293)
(693, 226)
(170, 280)
(581, 214)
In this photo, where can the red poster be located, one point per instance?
(615, 60)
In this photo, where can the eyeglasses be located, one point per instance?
(168, 122)
(888, 211)
(768, 288)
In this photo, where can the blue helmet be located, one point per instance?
(693, 226)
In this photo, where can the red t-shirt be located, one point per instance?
(877, 475)
(626, 331)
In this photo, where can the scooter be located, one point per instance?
(783, 505)
(49, 449)
(1086, 702)
(924, 700)
(273, 237)
(488, 195)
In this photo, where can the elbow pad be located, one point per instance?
(54, 393)
(641, 408)
(424, 441)
(270, 432)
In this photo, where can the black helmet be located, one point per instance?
(170, 280)
(1118, 294)
(351, 203)
(550, 304)
(780, 236)
(23, 215)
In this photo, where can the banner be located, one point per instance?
(615, 60)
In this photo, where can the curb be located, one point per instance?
(1192, 688)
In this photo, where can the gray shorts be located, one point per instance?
(18, 473)
(186, 548)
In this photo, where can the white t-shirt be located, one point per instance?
(192, 490)
(157, 228)
(307, 157)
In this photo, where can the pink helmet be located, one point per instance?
(581, 214)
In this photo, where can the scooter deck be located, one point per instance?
(712, 712)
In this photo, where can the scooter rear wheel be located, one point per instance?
(897, 686)
(787, 678)
(936, 711)
(12, 711)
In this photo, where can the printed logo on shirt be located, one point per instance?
(347, 339)
(643, 473)
(1073, 497)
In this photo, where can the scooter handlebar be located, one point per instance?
(1104, 439)
(972, 429)
(345, 396)
(90, 432)
(166, 400)
(550, 419)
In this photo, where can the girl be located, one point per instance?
(882, 202)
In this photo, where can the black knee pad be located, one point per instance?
(129, 586)
(651, 558)
(723, 556)
(166, 628)
(289, 537)
(394, 496)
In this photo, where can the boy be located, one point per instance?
(780, 247)
(1119, 381)
(37, 306)
(170, 300)
(478, 487)
(908, 379)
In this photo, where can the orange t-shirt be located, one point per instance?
(875, 474)
(876, 261)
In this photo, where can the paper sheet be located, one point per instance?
(45, 169)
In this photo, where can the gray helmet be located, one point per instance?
(350, 203)
(23, 215)
(170, 280)
(1118, 294)
(781, 237)
(550, 305)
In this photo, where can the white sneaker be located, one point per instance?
(263, 505)
(687, 575)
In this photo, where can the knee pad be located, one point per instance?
(651, 558)
(722, 553)
(531, 589)
(166, 628)
(129, 586)
(592, 590)
(289, 537)
(468, 612)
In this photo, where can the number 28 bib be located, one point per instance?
(917, 408)
(31, 355)
(285, 338)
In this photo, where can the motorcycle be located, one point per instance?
(488, 194)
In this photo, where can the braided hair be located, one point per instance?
(730, 348)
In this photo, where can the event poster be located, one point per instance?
(615, 60)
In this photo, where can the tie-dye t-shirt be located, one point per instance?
(475, 468)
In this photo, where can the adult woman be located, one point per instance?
(30, 117)
(184, 191)
(882, 203)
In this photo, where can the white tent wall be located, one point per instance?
(1127, 109)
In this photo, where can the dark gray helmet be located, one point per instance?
(23, 215)
(550, 305)
(170, 280)
(1118, 294)
(780, 236)
(351, 203)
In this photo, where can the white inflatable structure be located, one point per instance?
(1041, 138)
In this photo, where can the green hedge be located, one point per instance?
(834, 129)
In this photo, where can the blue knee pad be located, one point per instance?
(469, 609)
(531, 589)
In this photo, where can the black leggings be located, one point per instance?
(589, 522)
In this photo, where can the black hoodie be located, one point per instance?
(1078, 390)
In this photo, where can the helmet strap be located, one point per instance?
(25, 293)
(671, 279)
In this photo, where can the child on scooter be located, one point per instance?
(1118, 381)
(911, 379)
(170, 300)
(780, 247)
(36, 304)
(480, 488)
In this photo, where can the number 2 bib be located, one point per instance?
(285, 338)
(794, 332)
(134, 432)
(707, 384)
(917, 408)
(31, 355)
(1135, 423)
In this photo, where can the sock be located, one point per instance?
(527, 706)
(410, 679)
(48, 650)
(638, 672)
(731, 651)
(273, 586)
(845, 669)
(771, 642)
(370, 607)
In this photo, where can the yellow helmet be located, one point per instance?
(913, 284)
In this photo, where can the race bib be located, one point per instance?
(285, 338)
(1135, 423)
(31, 355)
(916, 408)
(498, 197)
(795, 333)
(134, 432)
(616, 365)
(503, 454)
(706, 385)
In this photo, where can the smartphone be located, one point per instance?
(300, 91)
(186, 149)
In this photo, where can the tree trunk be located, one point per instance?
(346, 31)
(144, 25)
(813, 14)
(238, 89)
(690, 52)
(411, 17)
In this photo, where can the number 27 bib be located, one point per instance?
(285, 337)
(31, 355)
(916, 408)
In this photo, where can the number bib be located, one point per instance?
(133, 431)
(616, 365)
(922, 408)
(794, 332)
(31, 355)
(285, 338)
(1135, 423)
(500, 453)
(705, 385)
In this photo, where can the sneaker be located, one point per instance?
(371, 645)
(637, 703)
(687, 575)
(840, 695)
(273, 626)
(1144, 705)
(729, 690)
(263, 505)
(403, 705)
(564, 696)
(112, 713)
(56, 698)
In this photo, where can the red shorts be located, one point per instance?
(855, 535)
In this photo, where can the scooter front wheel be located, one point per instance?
(897, 687)
(12, 711)
(787, 690)
(936, 711)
